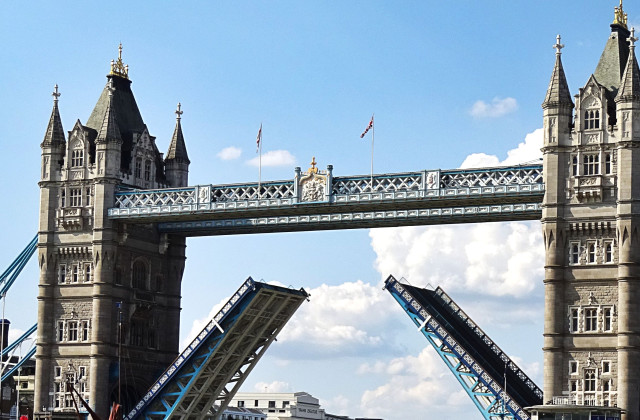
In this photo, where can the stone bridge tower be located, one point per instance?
(109, 293)
(591, 227)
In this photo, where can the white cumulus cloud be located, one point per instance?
(499, 259)
(229, 153)
(342, 320)
(275, 386)
(412, 384)
(274, 158)
(497, 108)
(491, 258)
(526, 151)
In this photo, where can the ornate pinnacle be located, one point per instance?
(117, 67)
(313, 169)
(55, 93)
(620, 17)
(179, 112)
(632, 39)
(558, 46)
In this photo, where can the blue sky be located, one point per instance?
(450, 83)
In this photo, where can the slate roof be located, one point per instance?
(558, 93)
(630, 85)
(54, 133)
(125, 112)
(611, 66)
(177, 148)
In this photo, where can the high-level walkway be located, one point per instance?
(496, 385)
(315, 200)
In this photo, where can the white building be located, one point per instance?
(241, 413)
(278, 406)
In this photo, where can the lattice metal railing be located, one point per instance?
(505, 182)
(386, 183)
(485, 338)
(268, 190)
(491, 177)
(148, 198)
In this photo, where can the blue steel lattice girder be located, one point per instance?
(214, 366)
(8, 277)
(470, 382)
(439, 338)
(248, 349)
(11, 347)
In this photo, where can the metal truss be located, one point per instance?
(214, 366)
(15, 268)
(490, 344)
(423, 194)
(9, 352)
(487, 394)
(7, 278)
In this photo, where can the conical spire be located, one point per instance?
(109, 130)
(55, 133)
(558, 93)
(177, 148)
(630, 82)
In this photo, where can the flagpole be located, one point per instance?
(260, 162)
(373, 136)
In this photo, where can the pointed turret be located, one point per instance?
(630, 84)
(109, 130)
(177, 148)
(55, 133)
(124, 107)
(558, 94)
(177, 161)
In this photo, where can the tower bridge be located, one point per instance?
(115, 214)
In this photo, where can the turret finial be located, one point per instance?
(179, 112)
(632, 39)
(117, 67)
(558, 46)
(55, 93)
(620, 17)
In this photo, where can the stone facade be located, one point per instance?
(590, 220)
(109, 293)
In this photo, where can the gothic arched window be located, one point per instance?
(138, 167)
(591, 119)
(147, 170)
(77, 158)
(139, 275)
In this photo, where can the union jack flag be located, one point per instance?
(369, 127)
(258, 139)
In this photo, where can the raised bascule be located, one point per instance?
(115, 215)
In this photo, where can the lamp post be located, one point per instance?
(18, 391)
(18, 381)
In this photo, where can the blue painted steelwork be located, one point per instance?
(26, 357)
(212, 368)
(10, 274)
(486, 392)
(22, 359)
(22, 338)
